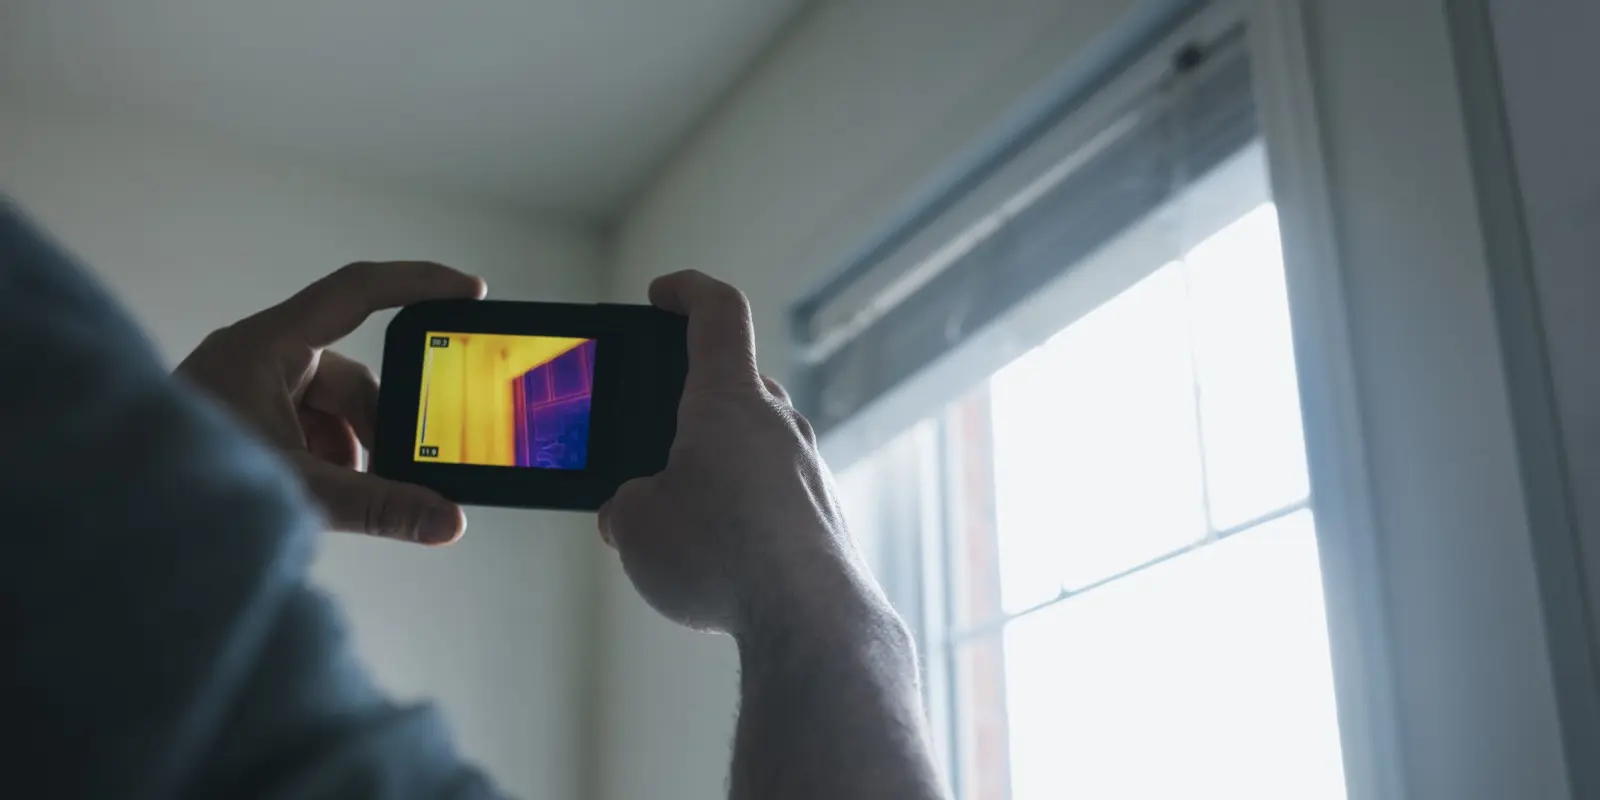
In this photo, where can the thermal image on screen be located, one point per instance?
(506, 401)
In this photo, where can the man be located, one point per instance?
(162, 640)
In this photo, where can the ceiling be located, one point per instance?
(567, 104)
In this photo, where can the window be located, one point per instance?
(1092, 501)
(1120, 595)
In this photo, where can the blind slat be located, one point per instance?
(866, 337)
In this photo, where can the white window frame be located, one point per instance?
(1347, 533)
(1436, 576)
(927, 510)
(1441, 621)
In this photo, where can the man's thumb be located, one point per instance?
(618, 515)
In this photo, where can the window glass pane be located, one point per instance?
(1249, 401)
(1205, 676)
(1096, 449)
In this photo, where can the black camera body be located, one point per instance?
(528, 405)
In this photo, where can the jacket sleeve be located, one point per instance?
(160, 634)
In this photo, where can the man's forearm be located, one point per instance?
(831, 708)
(743, 533)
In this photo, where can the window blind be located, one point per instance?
(1132, 146)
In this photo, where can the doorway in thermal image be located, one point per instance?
(505, 400)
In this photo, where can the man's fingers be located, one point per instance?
(347, 389)
(776, 390)
(328, 310)
(360, 503)
(722, 348)
(330, 438)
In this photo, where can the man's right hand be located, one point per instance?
(742, 534)
(742, 529)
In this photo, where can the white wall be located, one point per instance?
(192, 235)
(1550, 121)
(1546, 53)
(846, 123)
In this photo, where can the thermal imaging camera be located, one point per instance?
(528, 405)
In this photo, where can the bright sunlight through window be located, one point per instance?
(1138, 611)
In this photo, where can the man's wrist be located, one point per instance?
(830, 699)
(827, 606)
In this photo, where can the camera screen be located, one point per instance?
(506, 401)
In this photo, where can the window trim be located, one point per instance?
(1336, 455)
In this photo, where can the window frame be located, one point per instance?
(1372, 173)
(1348, 536)
(1205, 207)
